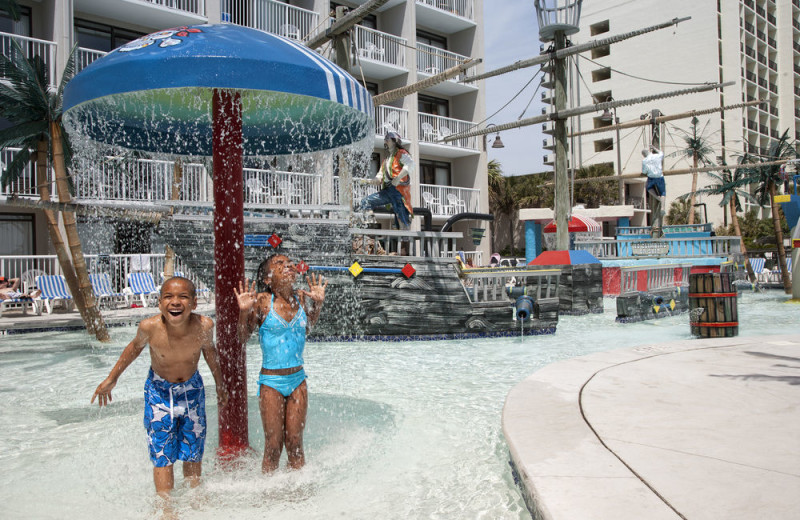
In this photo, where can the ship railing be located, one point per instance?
(116, 266)
(377, 242)
(664, 247)
(490, 284)
(652, 277)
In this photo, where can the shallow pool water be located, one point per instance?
(395, 430)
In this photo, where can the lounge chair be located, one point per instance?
(143, 286)
(24, 303)
(101, 285)
(54, 290)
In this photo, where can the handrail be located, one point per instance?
(489, 284)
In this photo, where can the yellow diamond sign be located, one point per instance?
(355, 269)
(672, 304)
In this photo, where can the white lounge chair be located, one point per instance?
(54, 290)
(142, 286)
(103, 291)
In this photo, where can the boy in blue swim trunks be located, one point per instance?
(281, 314)
(175, 412)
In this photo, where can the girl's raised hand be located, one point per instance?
(316, 289)
(246, 297)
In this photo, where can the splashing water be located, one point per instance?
(395, 430)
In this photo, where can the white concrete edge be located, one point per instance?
(564, 470)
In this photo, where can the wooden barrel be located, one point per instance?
(713, 309)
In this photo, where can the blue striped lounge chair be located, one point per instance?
(142, 285)
(101, 285)
(54, 290)
(24, 304)
(201, 290)
(776, 276)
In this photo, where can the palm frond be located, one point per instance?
(15, 168)
(12, 8)
(22, 133)
(67, 74)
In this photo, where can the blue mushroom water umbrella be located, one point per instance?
(226, 91)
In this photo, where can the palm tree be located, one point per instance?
(731, 186)
(678, 213)
(698, 149)
(34, 109)
(501, 200)
(768, 179)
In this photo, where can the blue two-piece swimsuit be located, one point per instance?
(282, 347)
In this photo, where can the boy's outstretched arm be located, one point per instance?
(131, 352)
(212, 359)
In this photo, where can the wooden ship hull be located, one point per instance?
(381, 303)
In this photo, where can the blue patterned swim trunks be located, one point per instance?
(175, 419)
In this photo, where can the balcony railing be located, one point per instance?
(462, 8)
(434, 128)
(378, 46)
(391, 119)
(668, 247)
(124, 180)
(25, 185)
(433, 60)
(116, 266)
(31, 47)
(448, 200)
(197, 7)
(271, 16)
(83, 57)
(282, 187)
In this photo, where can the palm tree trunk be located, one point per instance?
(776, 222)
(735, 220)
(511, 231)
(56, 239)
(169, 253)
(85, 286)
(694, 189)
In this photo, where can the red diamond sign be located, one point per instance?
(302, 267)
(274, 240)
(408, 270)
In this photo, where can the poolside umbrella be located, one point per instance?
(226, 91)
(576, 224)
(564, 258)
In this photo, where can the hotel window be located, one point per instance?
(21, 27)
(434, 172)
(100, 37)
(433, 105)
(17, 235)
(434, 40)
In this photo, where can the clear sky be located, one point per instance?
(511, 34)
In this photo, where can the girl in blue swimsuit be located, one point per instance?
(281, 314)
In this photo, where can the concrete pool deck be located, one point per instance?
(695, 429)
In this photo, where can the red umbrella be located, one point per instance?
(577, 224)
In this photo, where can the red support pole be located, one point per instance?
(229, 266)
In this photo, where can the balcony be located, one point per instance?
(380, 55)
(445, 201)
(548, 143)
(271, 16)
(390, 119)
(549, 159)
(83, 57)
(449, 16)
(157, 14)
(432, 60)
(31, 47)
(434, 128)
